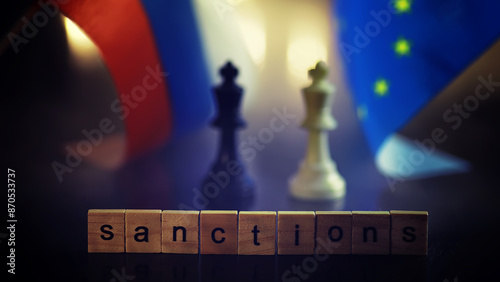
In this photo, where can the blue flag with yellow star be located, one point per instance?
(399, 54)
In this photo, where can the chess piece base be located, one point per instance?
(318, 182)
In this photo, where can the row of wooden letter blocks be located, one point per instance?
(255, 233)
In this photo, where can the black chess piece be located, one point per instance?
(227, 184)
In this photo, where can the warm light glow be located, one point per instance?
(78, 41)
(303, 53)
(254, 37)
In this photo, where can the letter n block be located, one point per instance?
(143, 231)
(106, 231)
(371, 232)
(219, 232)
(409, 232)
(180, 230)
(296, 232)
(257, 233)
(333, 232)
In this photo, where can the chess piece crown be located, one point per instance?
(228, 97)
(318, 99)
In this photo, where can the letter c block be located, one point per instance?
(219, 232)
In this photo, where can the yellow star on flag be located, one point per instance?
(402, 6)
(402, 47)
(381, 87)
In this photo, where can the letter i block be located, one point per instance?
(106, 231)
(409, 232)
(333, 232)
(296, 233)
(143, 231)
(180, 230)
(257, 233)
(371, 232)
(219, 232)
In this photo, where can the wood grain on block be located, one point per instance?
(371, 232)
(143, 231)
(295, 232)
(180, 230)
(257, 233)
(409, 232)
(219, 232)
(333, 232)
(106, 231)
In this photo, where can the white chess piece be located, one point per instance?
(318, 177)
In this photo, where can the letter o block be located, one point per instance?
(219, 232)
(334, 229)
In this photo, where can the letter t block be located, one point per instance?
(257, 233)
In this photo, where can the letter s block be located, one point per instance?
(106, 231)
(409, 232)
(219, 232)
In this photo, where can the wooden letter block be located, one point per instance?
(296, 233)
(333, 232)
(180, 230)
(106, 231)
(143, 231)
(257, 233)
(409, 232)
(371, 232)
(219, 232)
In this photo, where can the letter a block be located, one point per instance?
(296, 233)
(106, 231)
(219, 232)
(257, 233)
(180, 232)
(143, 231)
(409, 232)
(371, 232)
(334, 228)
